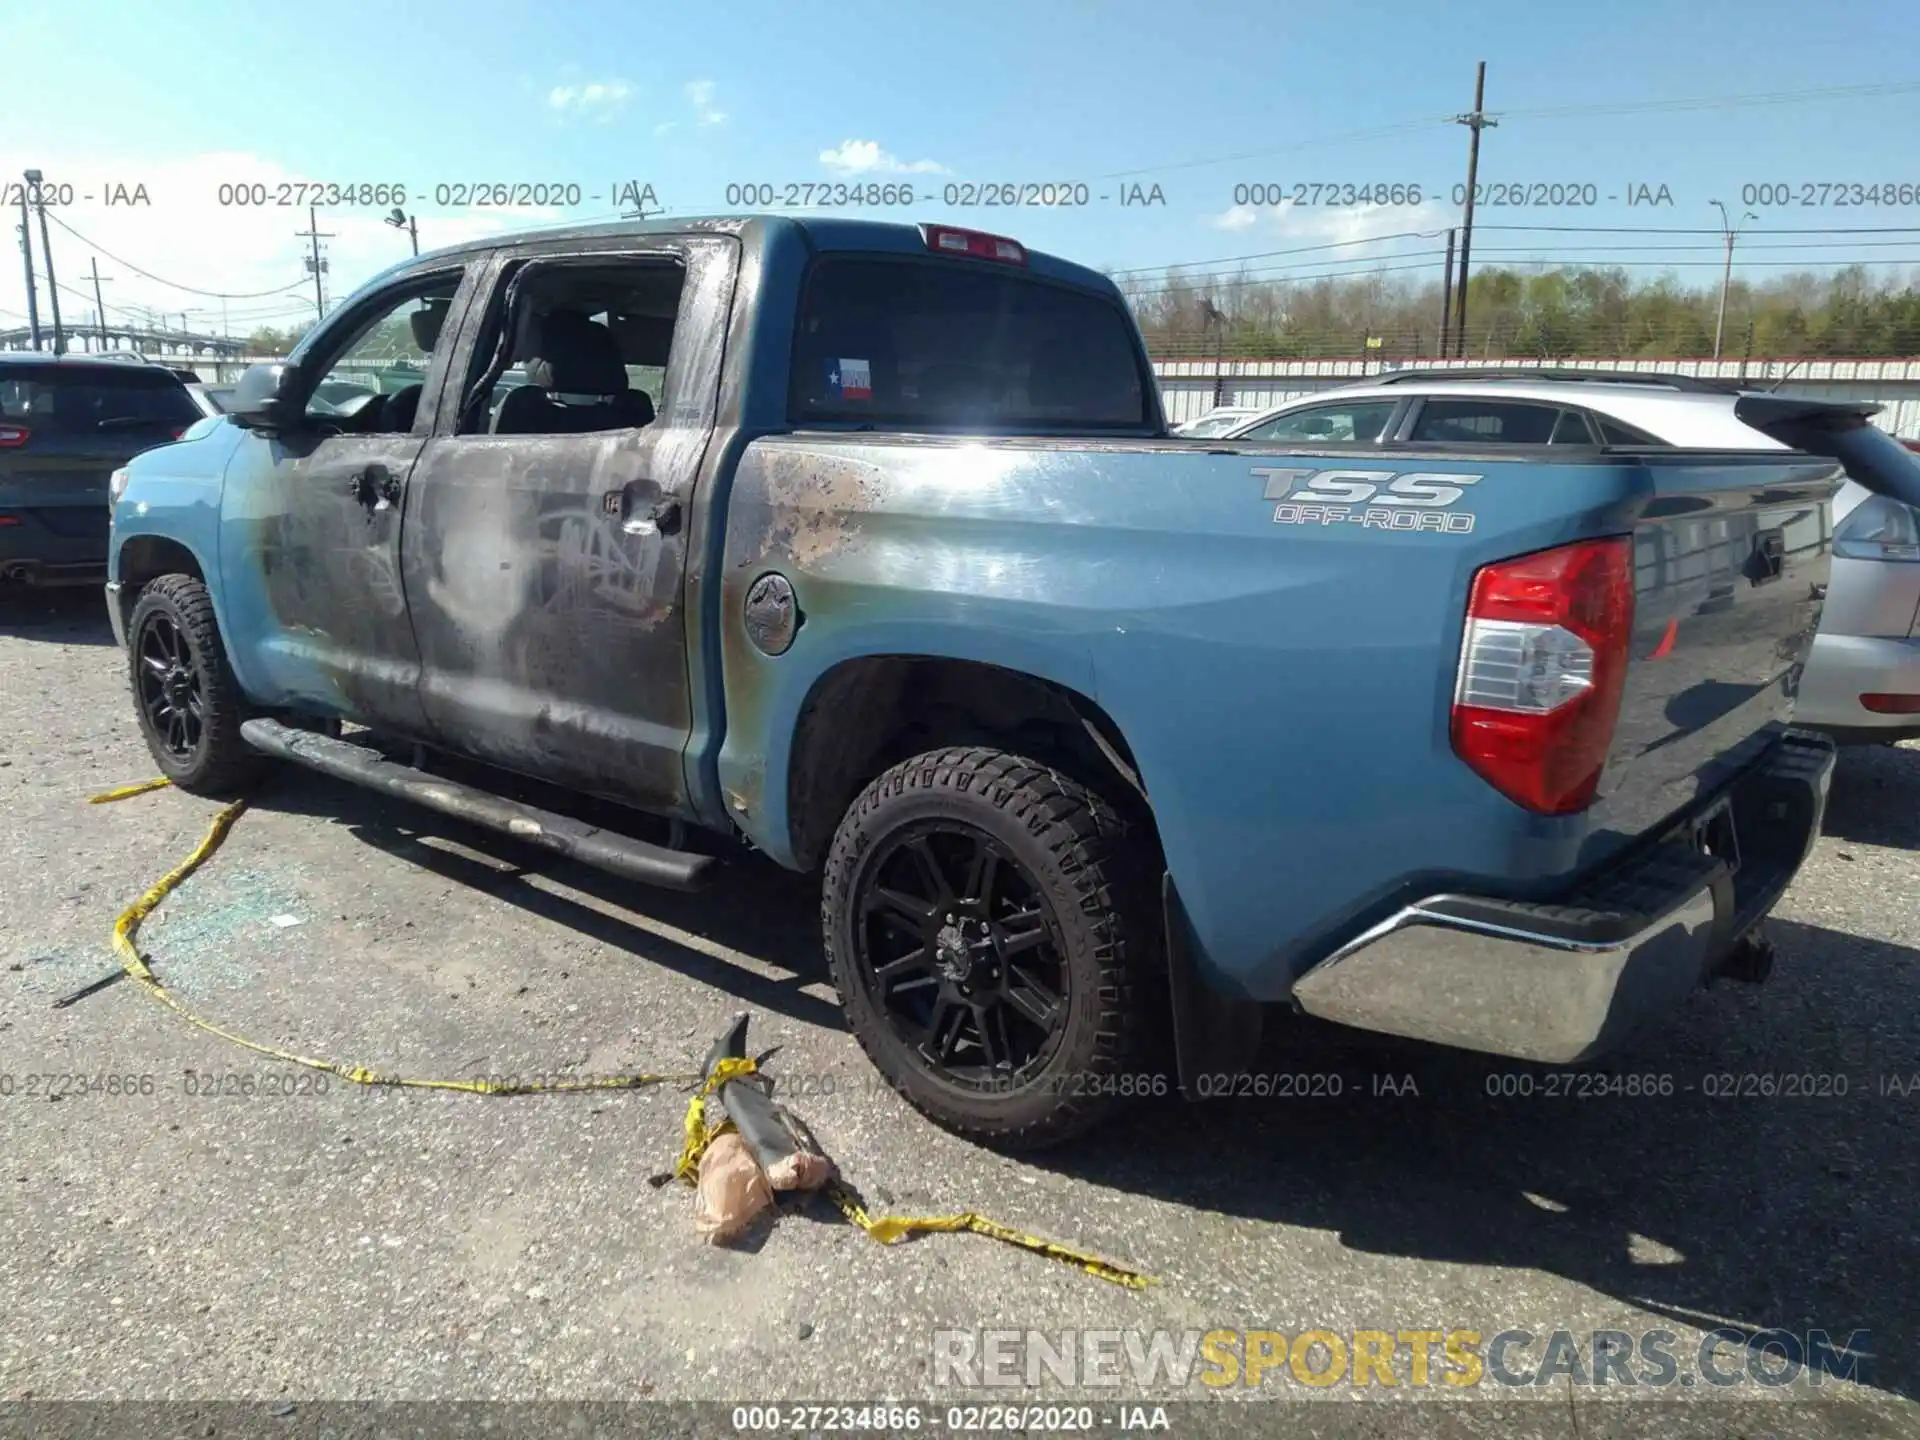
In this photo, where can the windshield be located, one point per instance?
(945, 344)
(1214, 425)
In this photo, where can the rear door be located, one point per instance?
(546, 541)
(64, 428)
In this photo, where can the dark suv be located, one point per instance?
(66, 424)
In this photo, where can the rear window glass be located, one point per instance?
(938, 344)
(1612, 432)
(93, 399)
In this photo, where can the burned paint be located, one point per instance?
(814, 503)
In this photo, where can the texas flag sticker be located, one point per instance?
(850, 379)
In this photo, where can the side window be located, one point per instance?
(1484, 422)
(1612, 432)
(1571, 429)
(373, 385)
(1352, 420)
(584, 348)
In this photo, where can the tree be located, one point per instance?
(269, 341)
(1537, 311)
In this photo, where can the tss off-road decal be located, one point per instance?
(1417, 500)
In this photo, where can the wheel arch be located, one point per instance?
(866, 713)
(143, 558)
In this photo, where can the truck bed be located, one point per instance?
(1281, 677)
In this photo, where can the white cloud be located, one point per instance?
(700, 95)
(187, 236)
(865, 157)
(1240, 217)
(666, 127)
(595, 99)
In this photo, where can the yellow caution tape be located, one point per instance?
(699, 1134)
(887, 1229)
(127, 792)
(127, 927)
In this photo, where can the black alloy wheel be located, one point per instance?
(963, 953)
(184, 691)
(173, 693)
(990, 928)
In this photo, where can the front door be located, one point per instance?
(545, 547)
(311, 516)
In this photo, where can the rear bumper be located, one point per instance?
(1841, 669)
(1560, 983)
(74, 552)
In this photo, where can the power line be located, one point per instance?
(174, 284)
(1721, 102)
(1378, 133)
(1551, 112)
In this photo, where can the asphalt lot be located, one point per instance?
(295, 1247)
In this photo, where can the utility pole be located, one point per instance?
(1476, 121)
(33, 178)
(99, 305)
(1446, 299)
(1726, 274)
(318, 266)
(26, 251)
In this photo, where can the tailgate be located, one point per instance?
(1731, 559)
(61, 480)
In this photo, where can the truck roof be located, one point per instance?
(821, 232)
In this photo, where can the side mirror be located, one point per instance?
(263, 398)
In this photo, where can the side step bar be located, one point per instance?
(590, 845)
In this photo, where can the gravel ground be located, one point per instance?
(293, 1248)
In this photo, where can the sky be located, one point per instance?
(1177, 105)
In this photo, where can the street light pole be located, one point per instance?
(33, 178)
(26, 251)
(400, 220)
(1726, 273)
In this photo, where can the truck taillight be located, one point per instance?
(14, 436)
(1542, 669)
(951, 240)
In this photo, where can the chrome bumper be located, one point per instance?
(114, 617)
(1560, 983)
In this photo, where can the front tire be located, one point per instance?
(184, 691)
(985, 921)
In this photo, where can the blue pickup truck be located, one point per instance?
(867, 546)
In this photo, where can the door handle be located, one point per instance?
(375, 487)
(645, 511)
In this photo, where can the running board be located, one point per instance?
(590, 845)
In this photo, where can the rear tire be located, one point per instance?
(184, 691)
(986, 924)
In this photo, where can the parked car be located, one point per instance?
(1862, 680)
(1087, 730)
(66, 423)
(211, 399)
(1218, 421)
(183, 373)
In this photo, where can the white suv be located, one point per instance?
(1862, 682)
